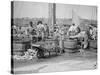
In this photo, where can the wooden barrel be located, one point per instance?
(19, 47)
(93, 43)
(18, 53)
(70, 44)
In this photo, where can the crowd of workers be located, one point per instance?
(41, 32)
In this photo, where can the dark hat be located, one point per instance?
(39, 22)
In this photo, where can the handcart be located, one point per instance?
(46, 48)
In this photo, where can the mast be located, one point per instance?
(75, 18)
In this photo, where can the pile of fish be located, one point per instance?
(28, 55)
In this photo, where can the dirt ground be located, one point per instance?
(63, 62)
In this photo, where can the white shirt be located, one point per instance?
(40, 27)
(72, 29)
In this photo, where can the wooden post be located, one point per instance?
(52, 16)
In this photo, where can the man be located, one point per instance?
(59, 38)
(83, 38)
(93, 32)
(73, 30)
(46, 28)
(30, 27)
(40, 30)
(31, 32)
(14, 29)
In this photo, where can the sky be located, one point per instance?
(38, 9)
